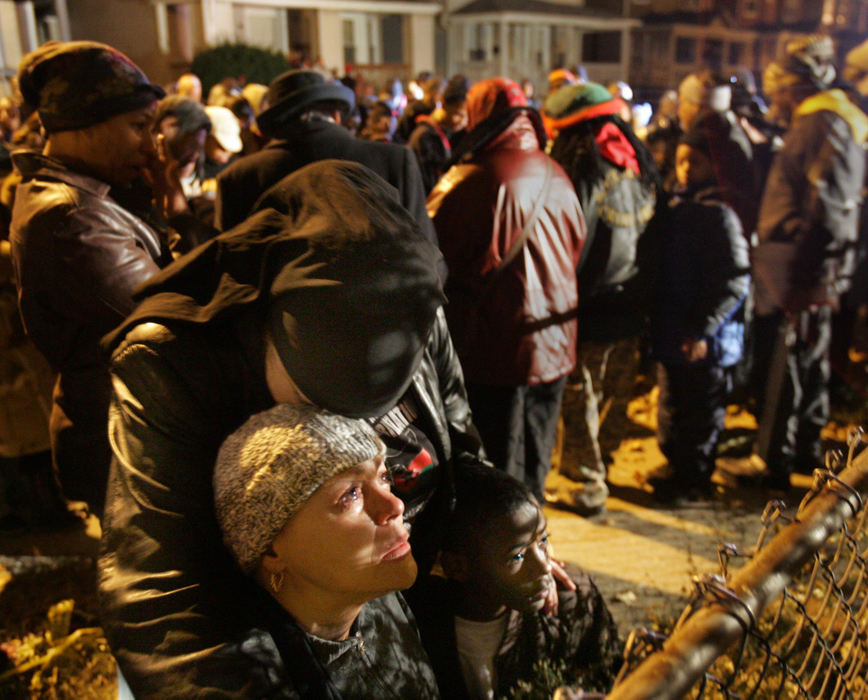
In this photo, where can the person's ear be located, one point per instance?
(270, 562)
(455, 566)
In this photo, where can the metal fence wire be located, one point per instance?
(787, 619)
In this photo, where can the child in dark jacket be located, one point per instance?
(697, 327)
(483, 625)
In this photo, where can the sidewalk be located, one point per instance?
(642, 555)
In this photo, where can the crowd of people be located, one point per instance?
(310, 348)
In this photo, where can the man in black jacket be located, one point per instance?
(304, 124)
(283, 309)
(807, 229)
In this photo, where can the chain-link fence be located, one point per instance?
(791, 622)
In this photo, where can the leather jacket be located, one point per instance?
(167, 584)
(516, 326)
(77, 256)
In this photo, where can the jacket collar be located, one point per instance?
(700, 193)
(300, 129)
(35, 164)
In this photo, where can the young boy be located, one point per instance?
(696, 327)
(483, 625)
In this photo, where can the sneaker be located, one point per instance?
(749, 467)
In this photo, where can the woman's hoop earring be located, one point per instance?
(276, 581)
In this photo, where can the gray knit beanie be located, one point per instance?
(268, 469)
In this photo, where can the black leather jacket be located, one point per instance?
(78, 254)
(169, 592)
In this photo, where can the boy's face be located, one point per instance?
(692, 166)
(514, 564)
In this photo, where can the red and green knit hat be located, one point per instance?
(575, 103)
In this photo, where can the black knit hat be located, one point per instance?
(296, 90)
(339, 274)
(76, 84)
(347, 317)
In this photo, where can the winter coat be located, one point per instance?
(808, 220)
(26, 379)
(430, 142)
(383, 656)
(77, 256)
(703, 280)
(516, 326)
(582, 637)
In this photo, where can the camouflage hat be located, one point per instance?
(76, 84)
(807, 60)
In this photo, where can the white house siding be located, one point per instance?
(11, 49)
(483, 47)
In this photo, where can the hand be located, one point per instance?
(694, 349)
(166, 183)
(560, 575)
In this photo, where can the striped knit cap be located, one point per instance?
(268, 469)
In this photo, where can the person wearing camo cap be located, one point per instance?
(807, 230)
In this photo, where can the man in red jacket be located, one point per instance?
(511, 230)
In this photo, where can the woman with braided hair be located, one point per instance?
(618, 185)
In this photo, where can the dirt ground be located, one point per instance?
(642, 556)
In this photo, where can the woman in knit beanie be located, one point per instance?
(304, 501)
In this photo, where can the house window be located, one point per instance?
(601, 47)
(349, 29)
(713, 53)
(685, 49)
(792, 11)
(540, 42)
(393, 39)
(263, 27)
(736, 53)
(560, 43)
(478, 42)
